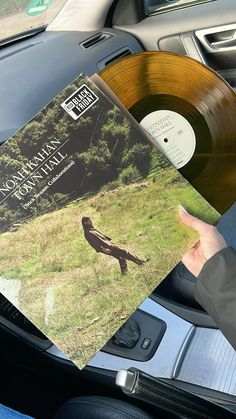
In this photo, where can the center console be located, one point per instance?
(178, 351)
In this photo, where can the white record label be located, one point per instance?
(173, 135)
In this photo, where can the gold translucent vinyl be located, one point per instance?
(150, 81)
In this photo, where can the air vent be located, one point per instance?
(119, 55)
(95, 39)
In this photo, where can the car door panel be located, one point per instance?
(204, 31)
(152, 29)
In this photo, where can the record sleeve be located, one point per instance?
(88, 219)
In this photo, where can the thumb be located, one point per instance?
(189, 220)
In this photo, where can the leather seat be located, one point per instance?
(98, 407)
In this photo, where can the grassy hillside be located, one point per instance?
(90, 299)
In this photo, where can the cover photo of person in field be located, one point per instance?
(83, 194)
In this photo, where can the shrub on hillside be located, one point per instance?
(129, 175)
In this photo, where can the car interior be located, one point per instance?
(178, 351)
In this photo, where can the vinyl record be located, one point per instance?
(190, 112)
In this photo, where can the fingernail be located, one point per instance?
(182, 209)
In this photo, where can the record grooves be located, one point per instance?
(196, 109)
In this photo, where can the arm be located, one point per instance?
(97, 241)
(106, 251)
(102, 235)
(215, 266)
(216, 291)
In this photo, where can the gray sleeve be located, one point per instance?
(216, 291)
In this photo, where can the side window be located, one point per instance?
(161, 6)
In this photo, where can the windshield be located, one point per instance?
(17, 16)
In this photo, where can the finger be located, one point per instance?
(200, 226)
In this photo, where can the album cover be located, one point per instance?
(88, 219)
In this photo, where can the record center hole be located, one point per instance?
(166, 140)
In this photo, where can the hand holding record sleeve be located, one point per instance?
(82, 163)
(214, 265)
(209, 244)
(190, 112)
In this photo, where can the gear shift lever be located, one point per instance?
(128, 335)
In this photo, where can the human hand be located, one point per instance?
(210, 242)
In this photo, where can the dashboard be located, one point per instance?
(35, 69)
